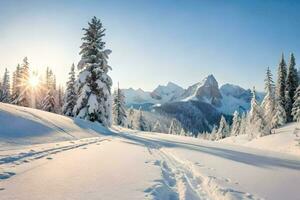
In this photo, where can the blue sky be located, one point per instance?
(153, 41)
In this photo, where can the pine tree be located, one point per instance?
(182, 132)
(268, 104)
(119, 112)
(5, 88)
(279, 117)
(130, 118)
(213, 134)
(175, 127)
(236, 123)
(15, 84)
(291, 86)
(243, 124)
(59, 99)
(223, 130)
(296, 106)
(48, 103)
(94, 85)
(70, 97)
(141, 122)
(256, 126)
(157, 127)
(281, 82)
(23, 99)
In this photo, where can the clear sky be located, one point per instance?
(153, 41)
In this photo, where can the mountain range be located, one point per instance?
(198, 107)
(225, 99)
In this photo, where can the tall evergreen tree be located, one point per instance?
(15, 84)
(281, 82)
(256, 126)
(296, 105)
(175, 127)
(130, 118)
(213, 134)
(141, 122)
(157, 127)
(5, 88)
(291, 86)
(48, 103)
(70, 97)
(243, 124)
(223, 130)
(268, 104)
(279, 117)
(23, 99)
(94, 85)
(119, 112)
(236, 123)
(60, 101)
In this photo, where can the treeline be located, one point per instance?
(26, 88)
(280, 105)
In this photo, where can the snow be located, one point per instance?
(56, 157)
(25, 126)
(286, 140)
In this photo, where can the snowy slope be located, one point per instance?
(20, 125)
(286, 140)
(128, 164)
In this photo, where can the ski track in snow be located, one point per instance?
(182, 179)
(11, 161)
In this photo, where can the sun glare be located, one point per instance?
(33, 81)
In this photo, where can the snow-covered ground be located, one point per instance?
(285, 140)
(96, 163)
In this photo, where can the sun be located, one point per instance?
(33, 81)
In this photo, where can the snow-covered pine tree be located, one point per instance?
(236, 123)
(157, 127)
(175, 127)
(213, 134)
(5, 87)
(291, 86)
(59, 100)
(243, 124)
(130, 118)
(256, 124)
(48, 103)
(281, 81)
(15, 84)
(268, 103)
(296, 105)
(141, 122)
(119, 112)
(223, 130)
(70, 96)
(23, 98)
(279, 117)
(182, 132)
(94, 101)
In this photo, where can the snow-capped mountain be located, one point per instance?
(206, 91)
(226, 99)
(167, 93)
(138, 96)
(160, 95)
